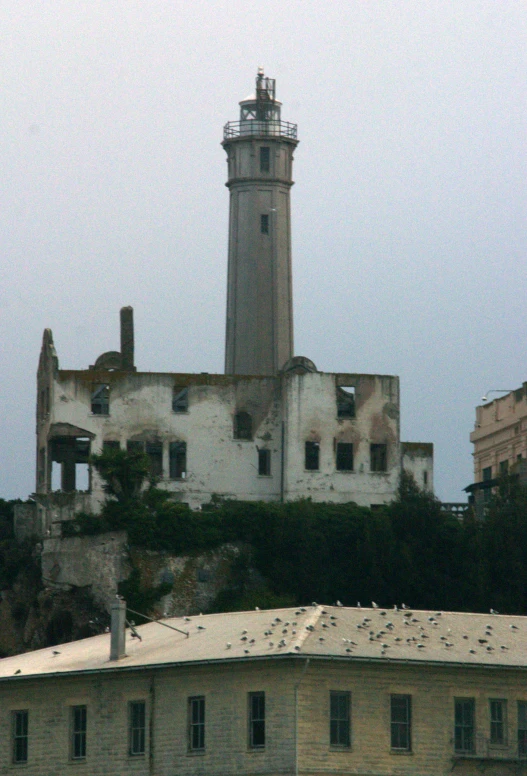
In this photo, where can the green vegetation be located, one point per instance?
(409, 551)
(13, 556)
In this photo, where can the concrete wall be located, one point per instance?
(418, 460)
(225, 689)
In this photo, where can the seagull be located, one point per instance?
(18, 671)
(374, 605)
(358, 605)
(338, 603)
(55, 652)
(403, 606)
(494, 611)
(201, 627)
(314, 603)
(228, 645)
(256, 608)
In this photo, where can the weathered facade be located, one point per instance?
(316, 690)
(273, 427)
(500, 443)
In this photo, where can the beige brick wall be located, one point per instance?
(225, 688)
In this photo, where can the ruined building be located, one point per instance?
(273, 427)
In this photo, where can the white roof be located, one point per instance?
(333, 632)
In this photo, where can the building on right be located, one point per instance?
(500, 442)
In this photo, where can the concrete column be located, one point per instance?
(118, 625)
(127, 339)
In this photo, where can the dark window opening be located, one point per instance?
(346, 402)
(312, 456)
(136, 727)
(42, 467)
(487, 473)
(196, 723)
(264, 223)
(178, 460)
(344, 456)
(498, 722)
(135, 447)
(339, 719)
(522, 728)
(464, 725)
(78, 732)
(100, 399)
(504, 468)
(20, 721)
(243, 426)
(265, 159)
(378, 458)
(264, 463)
(425, 478)
(401, 722)
(154, 451)
(180, 399)
(111, 444)
(256, 720)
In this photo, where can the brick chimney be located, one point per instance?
(127, 339)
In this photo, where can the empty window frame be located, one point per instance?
(264, 223)
(504, 468)
(522, 728)
(154, 451)
(498, 722)
(401, 722)
(312, 456)
(243, 426)
(487, 473)
(196, 723)
(100, 399)
(180, 399)
(464, 725)
(378, 458)
(345, 401)
(256, 719)
(20, 727)
(344, 456)
(264, 463)
(340, 719)
(136, 728)
(178, 460)
(265, 158)
(110, 444)
(78, 732)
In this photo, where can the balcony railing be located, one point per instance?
(253, 127)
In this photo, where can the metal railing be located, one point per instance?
(253, 127)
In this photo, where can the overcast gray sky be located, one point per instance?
(409, 207)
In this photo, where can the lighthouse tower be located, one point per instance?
(260, 146)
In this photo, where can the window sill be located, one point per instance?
(345, 471)
(180, 412)
(340, 748)
(136, 756)
(196, 752)
(256, 749)
(404, 752)
(265, 476)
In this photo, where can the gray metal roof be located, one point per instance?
(331, 632)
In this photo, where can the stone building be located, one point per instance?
(316, 690)
(500, 442)
(273, 427)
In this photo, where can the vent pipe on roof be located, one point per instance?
(117, 640)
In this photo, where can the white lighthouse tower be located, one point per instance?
(260, 146)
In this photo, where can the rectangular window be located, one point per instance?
(522, 728)
(504, 468)
(264, 463)
(196, 724)
(339, 718)
(178, 460)
(78, 732)
(20, 722)
(345, 401)
(487, 473)
(154, 451)
(100, 399)
(243, 426)
(378, 458)
(179, 399)
(498, 722)
(401, 722)
(312, 456)
(110, 444)
(136, 728)
(464, 729)
(256, 720)
(265, 159)
(264, 223)
(344, 457)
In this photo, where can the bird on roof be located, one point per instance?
(56, 652)
(338, 603)
(358, 605)
(403, 606)
(374, 605)
(18, 671)
(494, 611)
(314, 603)
(228, 645)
